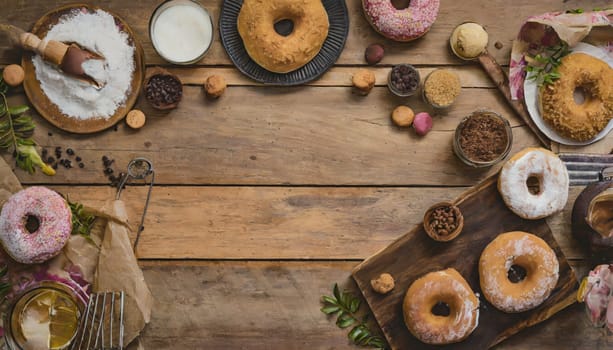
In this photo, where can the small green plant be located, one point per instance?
(16, 130)
(543, 68)
(344, 305)
(82, 221)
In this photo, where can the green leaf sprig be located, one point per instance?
(344, 305)
(16, 130)
(544, 66)
(82, 221)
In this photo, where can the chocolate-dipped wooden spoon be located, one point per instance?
(68, 57)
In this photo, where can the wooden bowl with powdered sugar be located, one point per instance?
(82, 121)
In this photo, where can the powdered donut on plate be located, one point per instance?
(54, 218)
(404, 24)
(448, 287)
(527, 251)
(553, 183)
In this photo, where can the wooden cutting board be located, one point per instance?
(416, 254)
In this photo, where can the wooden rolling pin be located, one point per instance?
(69, 58)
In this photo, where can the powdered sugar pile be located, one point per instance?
(97, 32)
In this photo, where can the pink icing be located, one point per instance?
(54, 230)
(401, 25)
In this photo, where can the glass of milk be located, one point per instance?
(181, 31)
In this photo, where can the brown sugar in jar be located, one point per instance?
(483, 139)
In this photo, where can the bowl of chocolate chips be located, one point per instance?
(403, 80)
(163, 89)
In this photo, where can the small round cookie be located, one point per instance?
(135, 119)
(35, 224)
(363, 81)
(215, 86)
(383, 284)
(13, 75)
(552, 178)
(517, 251)
(403, 116)
(437, 290)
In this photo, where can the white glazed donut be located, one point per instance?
(52, 228)
(553, 183)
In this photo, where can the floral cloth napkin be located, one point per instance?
(547, 29)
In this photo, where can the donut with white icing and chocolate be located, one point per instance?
(35, 224)
(401, 24)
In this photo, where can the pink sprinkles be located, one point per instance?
(401, 25)
(55, 225)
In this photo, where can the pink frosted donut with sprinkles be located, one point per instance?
(401, 25)
(35, 224)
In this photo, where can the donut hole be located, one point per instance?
(32, 223)
(533, 182)
(441, 309)
(516, 273)
(284, 26)
(401, 4)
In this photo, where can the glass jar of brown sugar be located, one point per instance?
(483, 139)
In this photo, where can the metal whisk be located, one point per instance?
(101, 326)
(138, 169)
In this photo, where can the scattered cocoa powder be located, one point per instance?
(483, 137)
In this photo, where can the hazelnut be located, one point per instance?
(13, 75)
(215, 86)
(374, 54)
(383, 284)
(135, 119)
(403, 116)
(363, 80)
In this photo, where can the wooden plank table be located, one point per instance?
(268, 196)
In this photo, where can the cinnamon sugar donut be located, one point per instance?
(275, 52)
(448, 287)
(35, 224)
(401, 24)
(528, 252)
(557, 105)
(553, 180)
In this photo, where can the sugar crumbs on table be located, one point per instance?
(98, 32)
(483, 138)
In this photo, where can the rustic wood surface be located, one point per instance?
(268, 196)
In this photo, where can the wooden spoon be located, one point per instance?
(68, 57)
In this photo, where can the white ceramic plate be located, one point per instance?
(531, 98)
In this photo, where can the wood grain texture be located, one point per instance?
(284, 223)
(501, 21)
(275, 305)
(327, 136)
(415, 254)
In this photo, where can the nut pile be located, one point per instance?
(444, 220)
(404, 79)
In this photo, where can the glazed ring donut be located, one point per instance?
(448, 287)
(273, 51)
(401, 25)
(553, 183)
(557, 105)
(35, 224)
(527, 251)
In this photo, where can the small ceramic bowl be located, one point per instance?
(429, 222)
(398, 92)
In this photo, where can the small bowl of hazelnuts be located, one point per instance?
(443, 221)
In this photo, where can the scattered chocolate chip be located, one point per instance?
(50, 160)
(498, 45)
(54, 166)
(108, 171)
(70, 151)
(116, 127)
(50, 133)
(78, 159)
(81, 165)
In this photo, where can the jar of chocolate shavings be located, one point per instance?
(483, 139)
